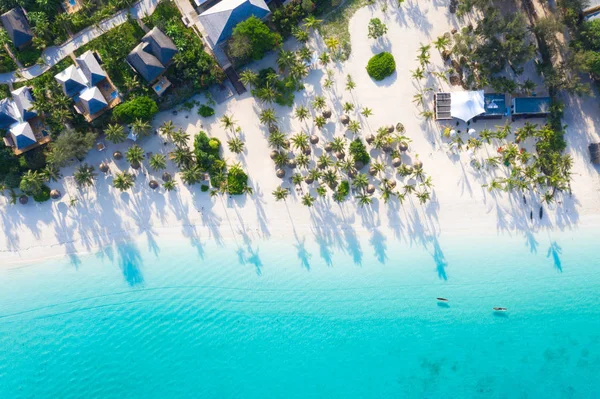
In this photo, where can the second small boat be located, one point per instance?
(500, 309)
(442, 299)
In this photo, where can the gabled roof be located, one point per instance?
(72, 80)
(22, 135)
(92, 100)
(90, 68)
(8, 114)
(161, 46)
(219, 20)
(145, 63)
(17, 27)
(23, 100)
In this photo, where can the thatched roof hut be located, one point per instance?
(340, 154)
(307, 151)
(391, 184)
(390, 128)
(309, 180)
(273, 128)
(23, 199)
(370, 189)
(135, 165)
(55, 194)
(328, 147)
(314, 139)
(417, 164)
(345, 119)
(372, 171)
(166, 176)
(153, 184)
(399, 127)
(280, 173)
(117, 155)
(359, 165)
(103, 167)
(274, 154)
(291, 163)
(403, 146)
(326, 113)
(396, 162)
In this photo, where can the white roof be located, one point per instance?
(93, 93)
(72, 73)
(467, 104)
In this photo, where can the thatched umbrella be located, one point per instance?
(340, 154)
(273, 128)
(387, 148)
(352, 173)
(135, 165)
(153, 184)
(409, 169)
(326, 113)
(291, 163)
(23, 199)
(103, 167)
(345, 119)
(359, 165)
(286, 143)
(370, 189)
(390, 128)
(396, 162)
(274, 154)
(117, 155)
(280, 173)
(166, 177)
(372, 171)
(55, 194)
(314, 139)
(399, 127)
(418, 164)
(328, 147)
(403, 146)
(370, 139)
(392, 184)
(307, 151)
(309, 180)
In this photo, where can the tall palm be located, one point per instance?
(324, 161)
(300, 141)
(285, 60)
(135, 155)
(51, 173)
(305, 54)
(277, 140)
(31, 182)
(360, 182)
(332, 44)
(249, 77)
(140, 127)
(236, 145)
(319, 103)
(85, 175)
(320, 121)
(308, 200)
(280, 193)
(314, 174)
(364, 199)
(301, 113)
(302, 160)
(157, 162)
(441, 43)
(182, 157)
(348, 107)
(268, 117)
(350, 84)
(324, 58)
(180, 138)
(228, 122)
(354, 126)
(330, 177)
(311, 22)
(115, 133)
(123, 181)
(191, 175)
(169, 185)
(167, 129)
(366, 112)
(338, 144)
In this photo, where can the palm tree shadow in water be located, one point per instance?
(440, 260)
(555, 251)
(130, 261)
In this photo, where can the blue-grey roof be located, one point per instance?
(72, 80)
(22, 135)
(17, 27)
(161, 46)
(92, 100)
(90, 68)
(219, 20)
(23, 100)
(7, 113)
(151, 56)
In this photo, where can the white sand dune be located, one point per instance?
(103, 215)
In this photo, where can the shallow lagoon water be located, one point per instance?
(285, 318)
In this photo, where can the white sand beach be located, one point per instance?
(103, 215)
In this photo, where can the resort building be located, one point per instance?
(17, 27)
(152, 57)
(25, 128)
(463, 105)
(219, 20)
(89, 86)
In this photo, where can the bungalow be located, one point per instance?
(25, 128)
(17, 27)
(89, 86)
(219, 20)
(152, 57)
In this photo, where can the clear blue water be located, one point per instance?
(295, 319)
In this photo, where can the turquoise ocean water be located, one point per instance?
(293, 319)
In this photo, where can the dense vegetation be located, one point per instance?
(381, 65)
(142, 108)
(251, 39)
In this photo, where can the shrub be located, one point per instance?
(237, 181)
(214, 144)
(287, 17)
(376, 28)
(342, 191)
(205, 111)
(256, 37)
(359, 151)
(204, 188)
(141, 107)
(43, 195)
(381, 66)
(206, 151)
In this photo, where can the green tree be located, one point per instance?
(32, 182)
(135, 155)
(141, 107)
(115, 133)
(85, 175)
(376, 28)
(158, 162)
(68, 145)
(123, 181)
(251, 39)
(281, 193)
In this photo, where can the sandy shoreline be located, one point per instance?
(460, 205)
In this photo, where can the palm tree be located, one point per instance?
(378, 167)
(366, 112)
(302, 160)
(169, 185)
(347, 107)
(423, 196)
(285, 60)
(182, 157)
(314, 174)
(386, 192)
(418, 74)
(320, 121)
(280, 160)
(441, 43)
(300, 34)
(330, 177)
(360, 181)
(324, 161)
(280, 193)
(277, 140)
(321, 191)
(85, 175)
(528, 130)
(418, 99)
(51, 173)
(324, 59)
(332, 44)
(158, 162)
(236, 145)
(299, 71)
(115, 133)
(297, 179)
(228, 122)
(364, 199)
(301, 113)
(300, 141)
(123, 181)
(31, 182)
(354, 127)
(311, 22)
(304, 54)
(350, 85)
(191, 175)
(338, 144)
(319, 103)
(167, 129)
(308, 200)
(180, 138)
(249, 77)
(268, 117)
(140, 127)
(135, 156)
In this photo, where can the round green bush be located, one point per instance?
(214, 143)
(205, 111)
(43, 195)
(381, 66)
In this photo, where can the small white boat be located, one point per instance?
(442, 299)
(500, 309)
